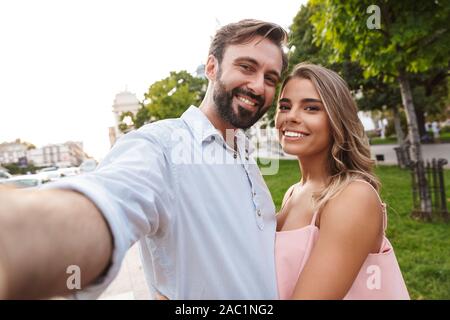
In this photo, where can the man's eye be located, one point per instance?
(271, 81)
(284, 107)
(245, 67)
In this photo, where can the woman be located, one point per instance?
(330, 241)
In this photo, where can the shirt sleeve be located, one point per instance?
(130, 188)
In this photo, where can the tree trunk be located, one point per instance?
(416, 150)
(420, 121)
(398, 126)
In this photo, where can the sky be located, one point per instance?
(63, 62)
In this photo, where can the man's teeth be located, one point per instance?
(246, 101)
(293, 134)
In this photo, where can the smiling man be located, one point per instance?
(206, 230)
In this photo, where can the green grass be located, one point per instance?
(422, 249)
(389, 140)
(443, 138)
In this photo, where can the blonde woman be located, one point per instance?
(330, 240)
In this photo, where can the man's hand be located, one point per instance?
(160, 297)
(42, 233)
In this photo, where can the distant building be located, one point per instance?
(112, 135)
(200, 72)
(367, 120)
(124, 102)
(68, 154)
(12, 152)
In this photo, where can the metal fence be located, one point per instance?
(435, 189)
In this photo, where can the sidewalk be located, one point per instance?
(429, 151)
(130, 282)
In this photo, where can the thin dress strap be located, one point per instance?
(383, 205)
(314, 218)
(287, 200)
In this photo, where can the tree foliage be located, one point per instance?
(413, 35)
(410, 37)
(170, 97)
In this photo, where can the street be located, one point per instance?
(430, 151)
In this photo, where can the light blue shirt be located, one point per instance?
(205, 219)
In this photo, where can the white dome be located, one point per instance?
(126, 101)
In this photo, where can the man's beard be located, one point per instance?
(243, 118)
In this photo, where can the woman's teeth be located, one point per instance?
(293, 134)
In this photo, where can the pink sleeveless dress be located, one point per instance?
(379, 277)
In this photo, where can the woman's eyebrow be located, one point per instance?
(311, 100)
(305, 100)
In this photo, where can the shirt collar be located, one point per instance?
(199, 124)
(203, 130)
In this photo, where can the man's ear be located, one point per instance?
(211, 68)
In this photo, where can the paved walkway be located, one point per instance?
(430, 151)
(130, 282)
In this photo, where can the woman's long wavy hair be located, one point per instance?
(349, 149)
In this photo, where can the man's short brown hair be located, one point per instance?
(245, 31)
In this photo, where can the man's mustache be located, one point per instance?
(259, 99)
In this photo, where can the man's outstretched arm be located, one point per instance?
(42, 233)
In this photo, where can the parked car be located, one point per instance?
(23, 181)
(68, 172)
(50, 174)
(4, 175)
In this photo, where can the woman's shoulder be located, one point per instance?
(361, 191)
(356, 206)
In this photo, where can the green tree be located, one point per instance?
(170, 97)
(372, 93)
(398, 38)
(302, 46)
(14, 168)
(127, 121)
(430, 92)
(142, 116)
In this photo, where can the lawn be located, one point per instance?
(422, 249)
(389, 140)
(443, 138)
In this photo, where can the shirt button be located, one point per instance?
(258, 212)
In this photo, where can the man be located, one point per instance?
(206, 228)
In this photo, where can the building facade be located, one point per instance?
(123, 102)
(69, 154)
(12, 152)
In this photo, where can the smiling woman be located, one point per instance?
(330, 241)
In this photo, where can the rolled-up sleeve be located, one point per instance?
(130, 188)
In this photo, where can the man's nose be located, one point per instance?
(256, 85)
